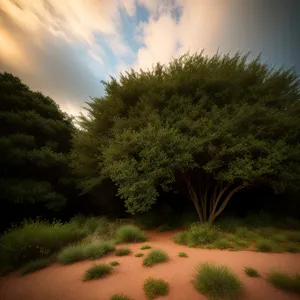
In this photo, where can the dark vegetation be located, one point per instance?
(155, 287)
(97, 271)
(154, 257)
(288, 283)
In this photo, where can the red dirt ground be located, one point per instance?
(64, 282)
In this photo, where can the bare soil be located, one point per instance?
(64, 282)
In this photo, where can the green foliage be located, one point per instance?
(71, 254)
(35, 149)
(130, 234)
(114, 263)
(223, 121)
(36, 265)
(293, 236)
(182, 254)
(96, 249)
(123, 251)
(223, 244)
(164, 227)
(288, 283)
(145, 247)
(139, 255)
(265, 245)
(251, 272)
(119, 297)
(201, 234)
(229, 224)
(35, 240)
(217, 282)
(154, 257)
(97, 271)
(154, 288)
(293, 247)
(180, 238)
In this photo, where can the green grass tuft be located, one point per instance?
(154, 288)
(123, 251)
(96, 250)
(242, 243)
(201, 235)
(217, 282)
(155, 257)
(251, 272)
(114, 263)
(182, 254)
(97, 271)
(180, 238)
(36, 265)
(119, 297)
(130, 234)
(139, 255)
(145, 247)
(285, 282)
(265, 245)
(222, 244)
(292, 247)
(71, 254)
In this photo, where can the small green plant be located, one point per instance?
(155, 257)
(242, 232)
(130, 234)
(279, 237)
(242, 243)
(155, 287)
(97, 271)
(145, 247)
(180, 238)
(35, 265)
(139, 255)
(71, 254)
(201, 235)
(288, 283)
(114, 263)
(251, 272)
(182, 254)
(217, 282)
(123, 251)
(119, 297)
(96, 249)
(264, 245)
(292, 247)
(222, 244)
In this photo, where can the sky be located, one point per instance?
(64, 48)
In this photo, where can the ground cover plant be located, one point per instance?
(251, 272)
(145, 247)
(217, 282)
(114, 263)
(286, 282)
(36, 265)
(130, 234)
(123, 251)
(120, 297)
(97, 271)
(154, 257)
(139, 255)
(182, 254)
(154, 288)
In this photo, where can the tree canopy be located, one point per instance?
(215, 125)
(35, 144)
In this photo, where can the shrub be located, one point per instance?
(180, 238)
(201, 235)
(164, 227)
(34, 240)
(242, 243)
(145, 247)
(279, 237)
(36, 265)
(217, 282)
(268, 232)
(243, 232)
(264, 245)
(222, 244)
(123, 251)
(130, 234)
(155, 257)
(71, 254)
(97, 271)
(155, 287)
(251, 272)
(284, 281)
(293, 247)
(139, 255)
(182, 254)
(119, 297)
(293, 236)
(229, 224)
(114, 263)
(96, 249)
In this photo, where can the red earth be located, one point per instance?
(59, 282)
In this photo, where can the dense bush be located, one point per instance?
(265, 245)
(154, 257)
(217, 282)
(36, 265)
(97, 271)
(130, 234)
(155, 287)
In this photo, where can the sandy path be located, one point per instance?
(64, 282)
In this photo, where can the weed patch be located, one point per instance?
(97, 271)
(123, 251)
(155, 287)
(130, 234)
(155, 257)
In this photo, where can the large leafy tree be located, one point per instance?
(35, 144)
(213, 125)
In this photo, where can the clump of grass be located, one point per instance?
(279, 237)
(284, 281)
(155, 287)
(222, 244)
(155, 257)
(71, 254)
(114, 263)
(293, 236)
(229, 224)
(265, 245)
(182, 254)
(164, 227)
(130, 234)
(292, 247)
(201, 235)
(242, 243)
(97, 271)
(96, 250)
(217, 282)
(180, 238)
(119, 297)
(139, 255)
(242, 232)
(145, 247)
(251, 272)
(123, 251)
(35, 265)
